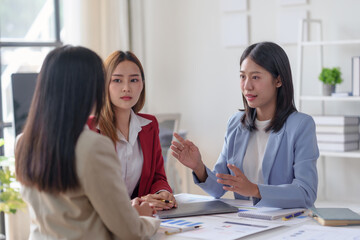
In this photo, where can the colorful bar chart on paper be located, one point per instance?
(179, 223)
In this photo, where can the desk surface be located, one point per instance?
(272, 233)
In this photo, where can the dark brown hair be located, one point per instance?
(69, 86)
(274, 59)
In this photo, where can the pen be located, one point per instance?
(292, 215)
(166, 201)
(179, 230)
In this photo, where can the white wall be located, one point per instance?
(190, 72)
(99, 25)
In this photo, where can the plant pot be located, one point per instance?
(328, 89)
(17, 226)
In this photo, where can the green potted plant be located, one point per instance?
(10, 198)
(330, 77)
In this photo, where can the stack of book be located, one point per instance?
(337, 133)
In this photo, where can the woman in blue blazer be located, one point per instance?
(270, 149)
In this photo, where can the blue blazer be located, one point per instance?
(288, 168)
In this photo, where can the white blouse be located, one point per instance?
(253, 159)
(130, 153)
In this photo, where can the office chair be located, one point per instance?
(176, 173)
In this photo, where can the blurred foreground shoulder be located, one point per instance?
(91, 149)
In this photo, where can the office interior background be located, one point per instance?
(190, 66)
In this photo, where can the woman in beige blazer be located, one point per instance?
(70, 175)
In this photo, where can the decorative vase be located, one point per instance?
(328, 89)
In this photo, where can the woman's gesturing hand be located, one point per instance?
(186, 152)
(238, 183)
(189, 155)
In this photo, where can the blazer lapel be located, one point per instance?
(146, 150)
(272, 147)
(242, 136)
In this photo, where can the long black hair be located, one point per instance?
(274, 59)
(70, 85)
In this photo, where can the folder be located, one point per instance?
(335, 216)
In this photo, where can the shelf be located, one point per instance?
(351, 154)
(322, 43)
(330, 98)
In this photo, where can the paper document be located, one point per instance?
(310, 232)
(223, 228)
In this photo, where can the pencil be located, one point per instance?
(179, 230)
(292, 216)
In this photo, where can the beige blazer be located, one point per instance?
(99, 209)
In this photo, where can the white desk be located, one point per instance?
(272, 232)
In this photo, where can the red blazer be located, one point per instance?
(153, 177)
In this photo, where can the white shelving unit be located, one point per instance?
(301, 44)
(352, 154)
(329, 98)
(324, 155)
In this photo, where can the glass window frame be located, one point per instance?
(5, 44)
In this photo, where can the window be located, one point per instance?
(28, 31)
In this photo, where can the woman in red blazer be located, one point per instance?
(135, 135)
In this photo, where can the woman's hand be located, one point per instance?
(142, 207)
(189, 155)
(238, 183)
(160, 201)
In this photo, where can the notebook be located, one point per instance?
(335, 216)
(197, 208)
(268, 213)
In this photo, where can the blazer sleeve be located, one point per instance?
(160, 181)
(100, 176)
(302, 155)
